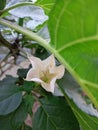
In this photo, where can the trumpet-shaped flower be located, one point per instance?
(45, 72)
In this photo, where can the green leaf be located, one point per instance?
(29, 101)
(86, 121)
(54, 114)
(41, 52)
(19, 116)
(5, 123)
(10, 96)
(74, 37)
(74, 92)
(86, 115)
(2, 4)
(22, 72)
(25, 127)
(28, 86)
(45, 4)
(14, 120)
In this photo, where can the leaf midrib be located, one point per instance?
(48, 117)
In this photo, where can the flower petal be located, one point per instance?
(35, 62)
(37, 80)
(32, 73)
(59, 70)
(49, 86)
(49, 62)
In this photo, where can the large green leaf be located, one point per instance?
(87, 122)
(10, 95)
(54, 114)
(74, 36)
(86, 114)
(14, 120)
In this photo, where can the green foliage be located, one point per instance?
(22, 72)
(87, 121)
(19, 116)
(54, 114)
(74, 36)
(14, 120)
(2, 4)
(73, 31)
(46, 4)
(25, 127)
(25, 85)
(29, 102)
(10, 96)
(41, 53)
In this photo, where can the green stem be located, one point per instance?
(15, 6)
(28, 33)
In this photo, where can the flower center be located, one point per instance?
(46, 76)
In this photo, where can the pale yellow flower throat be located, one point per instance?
(46, 76)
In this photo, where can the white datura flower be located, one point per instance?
(45, 72)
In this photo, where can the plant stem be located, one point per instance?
(5, 58)
(22, 53)
(2, 12)
(4, 42)
(28, 33)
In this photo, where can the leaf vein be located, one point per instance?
(58, 22)
(83, 119)
(78, 41)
